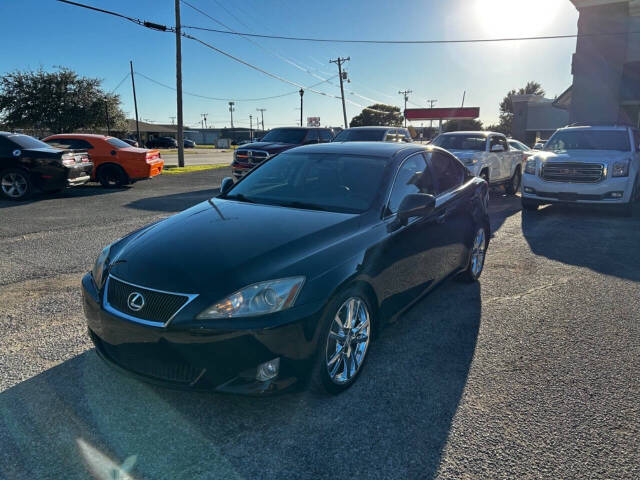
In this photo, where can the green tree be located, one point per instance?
(506, 106)
(59, 101)
(378, 114)
(461, 125)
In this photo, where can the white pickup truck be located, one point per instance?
(585, 164)
(486, 155)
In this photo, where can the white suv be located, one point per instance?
(585, 164)
(486, 155)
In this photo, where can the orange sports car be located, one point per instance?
(116, 163)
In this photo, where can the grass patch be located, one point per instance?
(193, 151)
(175, 170)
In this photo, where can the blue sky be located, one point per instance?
(46, 33)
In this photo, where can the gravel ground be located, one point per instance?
(531, 373)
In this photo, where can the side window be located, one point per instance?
(413, 177)
(80, 144)
(448, 172)
(636, 140)
(503, 141)
(325, 136)
(497, 140)
(312, 136)
(6, 146)
(391, 136)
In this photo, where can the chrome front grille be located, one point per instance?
(157, 307)
(573, 172)
(251, 156)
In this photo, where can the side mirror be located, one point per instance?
(497, 148)
(415, 205)
(225, 186)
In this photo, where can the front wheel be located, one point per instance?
(514, 184)
(476, 259)
(343, 342)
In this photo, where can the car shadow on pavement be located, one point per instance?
(595, 238)
(82, 418)
(75, 192)
(501, 207)
(175, 202)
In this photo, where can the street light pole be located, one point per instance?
(251, 127)
(301, 94)
(179, 86)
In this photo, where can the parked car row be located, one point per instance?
(69, 160)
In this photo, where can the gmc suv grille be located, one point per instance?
(573, 172)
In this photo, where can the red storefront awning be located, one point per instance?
(465, 113)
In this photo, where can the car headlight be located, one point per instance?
(530, 166)
(620, 169)
(257, 299)
(100, 266)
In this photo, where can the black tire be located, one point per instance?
(514, 184)
(473, 271)
(484, 174)
(322, 381)
(112, 176)
(529, 205)
(15, 184)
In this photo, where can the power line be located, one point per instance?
(126, 76)
(226, 99)
(137, 21)
(404, 42)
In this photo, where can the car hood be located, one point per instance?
(220, 246)
(591, 156)
(271, 147)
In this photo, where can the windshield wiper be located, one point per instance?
(238, 196)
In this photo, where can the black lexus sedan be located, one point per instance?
(288, 274)
(26, 162)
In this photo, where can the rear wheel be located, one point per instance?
(15, 184)
(111, 176)
(484, 174)
(476, 259)
(344, 342)
(514, 184)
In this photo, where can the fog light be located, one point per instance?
(616, 194)
(268, 370)
(529, 190)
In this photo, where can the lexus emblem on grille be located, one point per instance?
(135, 301)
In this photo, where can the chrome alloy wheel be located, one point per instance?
(348, 340)
(13, 184)
(478, 252)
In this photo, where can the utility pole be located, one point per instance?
(173, 120)
(135, 104)
(251, 127)
(339, 61)
(179, 86)
(261, 110)
(204, 119)
(464, 94)
(405, 93)
(301, 94)
(106, 112)
(431, 103)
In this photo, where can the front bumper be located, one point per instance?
(604, 192)
(187, 356)
(240, 169)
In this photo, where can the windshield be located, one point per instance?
(25, 141)
(334, 182)
(285, 135)
(461, 142)
(360, 135)
(116, 142)
(589, 140)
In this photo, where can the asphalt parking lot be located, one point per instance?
(531, 373)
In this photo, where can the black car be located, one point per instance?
(162, 142)
(374, 134)
(289, 273)
(275, 141)
(188, 143)
(26, 162)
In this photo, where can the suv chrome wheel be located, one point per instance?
(347, 341)
(14, 184)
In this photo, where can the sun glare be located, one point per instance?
(515, 18)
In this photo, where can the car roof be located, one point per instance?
(595, 127)
(302, 128)
(79, 135)
(372, 127)
(475, 132)
(376, 149)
